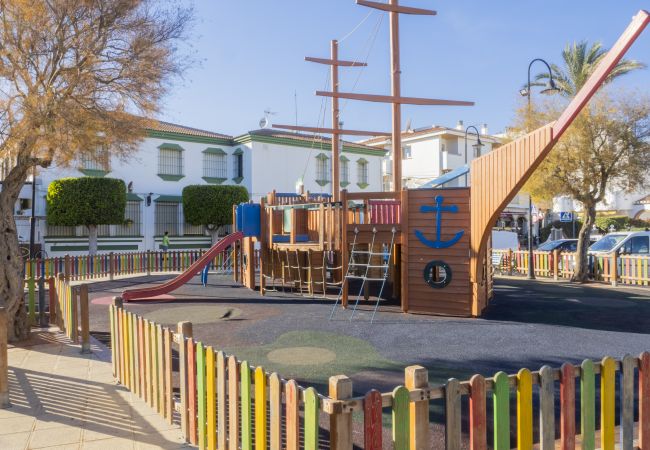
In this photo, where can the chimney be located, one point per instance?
(484, 129)
(459, 125)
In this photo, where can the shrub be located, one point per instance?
(211, 206)
(620, 223)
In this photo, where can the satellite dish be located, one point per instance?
(408, 124)
(264, 122)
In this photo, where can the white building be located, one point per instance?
(172, 157)
(430, 152)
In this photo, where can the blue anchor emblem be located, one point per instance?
(438, 209)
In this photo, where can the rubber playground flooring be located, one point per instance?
(528, 324)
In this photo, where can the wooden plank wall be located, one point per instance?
(454, 299)
(495, 179)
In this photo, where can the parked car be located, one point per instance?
(564, 245)
(625, 243)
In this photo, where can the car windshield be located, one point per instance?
(607, 243)
(548, 246)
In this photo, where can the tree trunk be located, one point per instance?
(92, 240)
(581, 271)
(12, 266)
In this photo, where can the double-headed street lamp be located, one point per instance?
(550, 88)
(477, 147)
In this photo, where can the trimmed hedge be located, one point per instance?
(211, 205)
(621, 223)
(86, 201)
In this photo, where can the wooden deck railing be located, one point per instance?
(225, 403)
(612, 268)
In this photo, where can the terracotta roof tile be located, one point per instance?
(159, 125)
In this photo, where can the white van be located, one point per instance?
(504, 240)
(626, 243)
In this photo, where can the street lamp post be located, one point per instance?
(32, 219)
(477, 147)
(550, 88)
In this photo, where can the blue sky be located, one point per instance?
(251, 58)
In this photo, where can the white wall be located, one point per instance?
(280, 166)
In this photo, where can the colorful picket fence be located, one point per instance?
(612, 268)
(225, 403)
(69, 310)
(86, 267)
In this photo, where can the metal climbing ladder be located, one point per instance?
(357, 263)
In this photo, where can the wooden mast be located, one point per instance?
(336, 183)
(396, 91)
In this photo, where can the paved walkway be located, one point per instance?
(62, 399)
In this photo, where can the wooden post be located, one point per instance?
(184, 332)
(334, 73)
(59, 313)
(249, 247)
(396, 91)
(417, 377)
(340, 388)
(66, 267)
(111, 266)
(52, 292)
(613, 270)
(344, 247)
(148, 262)
(509, 262)
(556, 264)
(4, 362)
(404, 294)
(85, 318)
(294, 225)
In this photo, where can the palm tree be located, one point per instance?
(580, 60)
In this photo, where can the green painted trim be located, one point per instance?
(363, 185)
(94, 173)
(170, 198)
(66, 240)
(84, 248)
(196, 237)
(239, 151)
(170, 177)
(168, 146)
(184, 246)
(322, 182)
(343, 158)
(322, 157)
(214, 151)
(362, 161)
(131, 197)
(344, 183)
(238, 179)
(213, 180)
(169, 135)
(246, 138)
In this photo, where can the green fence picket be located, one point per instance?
(401, 420)
(588, 405)
(246, 419)
(501, 399)
(311, 419)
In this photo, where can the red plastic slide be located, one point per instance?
(171, 285)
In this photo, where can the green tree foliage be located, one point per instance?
(86, 201)
(211, 206)
(605, 148)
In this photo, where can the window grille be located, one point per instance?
(170, 161)
(133, 217)
(322, 168)
(166, 218)
(214, 165)
(362, 171)
(98, 160)
(238, 165)
(345, 171)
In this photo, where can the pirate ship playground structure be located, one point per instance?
(431, 246)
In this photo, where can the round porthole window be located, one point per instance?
(437, 274)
